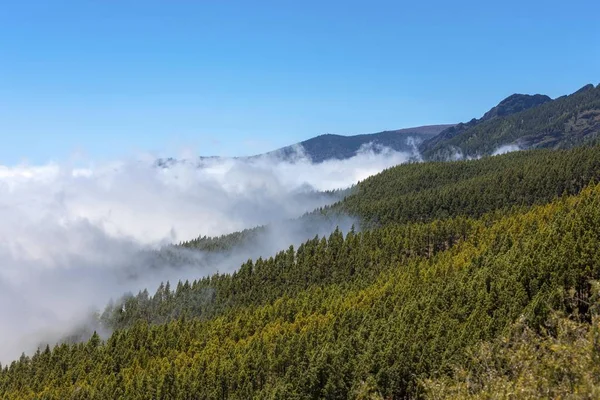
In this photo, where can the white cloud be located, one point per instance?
(71, 237)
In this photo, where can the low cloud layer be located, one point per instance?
(70, 237)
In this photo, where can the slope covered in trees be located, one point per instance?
(366, 337)
(404, 200)
(561, 362)
(402, 309)
(427, 191)
(407, 195)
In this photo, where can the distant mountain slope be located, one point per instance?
(337, 147)
(525, 121)
(328, 146)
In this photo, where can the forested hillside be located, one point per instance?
(468, 262)
(428, 191)
(563, 122)
(300, 200)
(429, 301)
(404, 198)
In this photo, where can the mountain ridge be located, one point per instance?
(519, 120)
(508, 106)
(524, 121)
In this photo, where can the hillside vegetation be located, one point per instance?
(405, 309)
(433, 190)
(404, 198)
(561, 362)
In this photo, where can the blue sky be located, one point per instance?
(106, 79)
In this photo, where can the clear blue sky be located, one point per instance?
(109, 78)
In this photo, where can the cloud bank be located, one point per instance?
(71, 237)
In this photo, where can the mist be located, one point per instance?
(507, 148)
(456, 154)
(75, 236)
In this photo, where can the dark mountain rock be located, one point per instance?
(514, 104)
